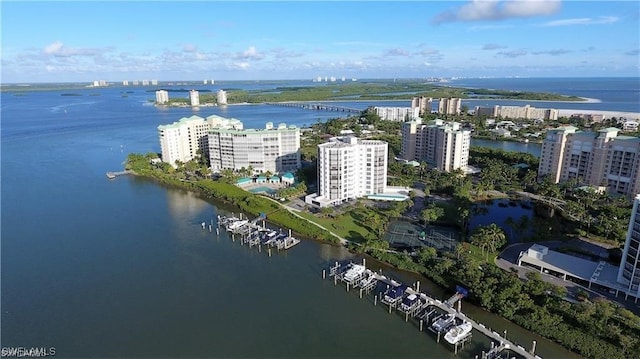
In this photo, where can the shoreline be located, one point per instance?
(605, 113)
(562, 112)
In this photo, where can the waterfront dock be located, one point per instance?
(254, 234)
(112, 175)
(424, 308)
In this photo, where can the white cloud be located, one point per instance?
(512, 54)
(58, 49)
(396, 52)
(189, 48)
(482, 10)
(241, 65)
(249, 54)
(583, 21)
(493, 47)
(53, 48)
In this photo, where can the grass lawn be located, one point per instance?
(345, 225)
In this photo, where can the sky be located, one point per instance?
(77, 41)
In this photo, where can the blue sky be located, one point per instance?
(171, 40)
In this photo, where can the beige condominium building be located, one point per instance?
(443, 145)
(602, 158)
(450, 106)
(423, 104)
(273, 149)
(349, 168)
(182, 140)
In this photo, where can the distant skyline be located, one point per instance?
(83, 41)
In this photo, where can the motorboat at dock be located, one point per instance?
(443, 323)
(354, 273)
(458, 333)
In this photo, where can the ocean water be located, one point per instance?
(613, 93)
(121, 268)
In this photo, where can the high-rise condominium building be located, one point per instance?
(273, 149)
(423, 104)
(222, 97)
(182, 140)
(162, 96)
(601, 158)
(449, 106)
(444, 145)
(194, 98)
(399, 114)
(629, 272)
(349, 168)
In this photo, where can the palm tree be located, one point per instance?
(496, 237)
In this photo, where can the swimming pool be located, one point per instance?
(263, 189)
(388, 197)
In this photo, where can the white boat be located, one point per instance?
(354, 272)
(367, 280)
(457, 333)
(236, 224)
(444, 322)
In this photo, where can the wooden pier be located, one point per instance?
(428, 308)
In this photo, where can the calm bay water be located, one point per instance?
(530, 148)
(122, 268)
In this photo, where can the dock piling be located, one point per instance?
(421, 321)
(324, 273)
(533, 348)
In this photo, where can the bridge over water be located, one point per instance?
(316, 106)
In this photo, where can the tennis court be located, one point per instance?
(407, 235)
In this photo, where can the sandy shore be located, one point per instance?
(606, 114)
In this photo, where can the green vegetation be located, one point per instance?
(221, 191)
(398, 90)
(598, 329)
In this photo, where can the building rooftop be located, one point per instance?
(541, 256)
(180, 122)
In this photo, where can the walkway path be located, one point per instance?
(343, 241)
